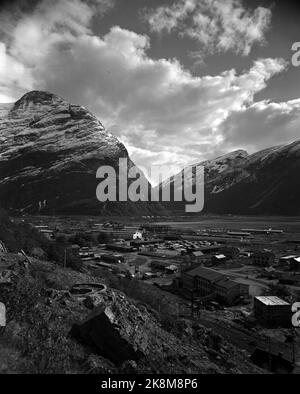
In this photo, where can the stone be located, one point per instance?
(112, 334)
(93, 300)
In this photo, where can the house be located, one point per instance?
(291, 262)
(218, 259)
(198, 257)
(138, 235)
(294, 264)
(47, 233)
(263, 258)
(272, 311)
(172, 269)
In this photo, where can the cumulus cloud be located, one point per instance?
(262, 124)
(15, 78)
(217, 25)
(162, 113)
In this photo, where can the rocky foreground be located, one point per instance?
(53, 326)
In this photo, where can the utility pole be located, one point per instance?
(192, 303)
(270, 356)
(293, 346)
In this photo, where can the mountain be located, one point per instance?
(50, 151)
(266, 182)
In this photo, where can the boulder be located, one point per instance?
(112, 334)
(93, 300)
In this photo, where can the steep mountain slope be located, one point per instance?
(266, 182)
(50, 151)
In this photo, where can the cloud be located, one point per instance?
(162, 113)
(15, 78)
(217, 25)
(262, 124)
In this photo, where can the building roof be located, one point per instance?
(288, 257)
(206, 273)
(198, 253)
(271, 300)
(227, 283)
(159, 263)
(172, 267)
(220, 256)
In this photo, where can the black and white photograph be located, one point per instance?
(149, 190)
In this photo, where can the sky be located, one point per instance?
(177, 82)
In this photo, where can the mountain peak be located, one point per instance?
(239, 153)
(37, 97)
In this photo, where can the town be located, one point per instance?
(238, 279)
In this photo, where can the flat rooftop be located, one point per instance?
(271, 300)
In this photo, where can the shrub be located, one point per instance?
(20, 235)
(82, 239)
(279, 291)
(43, 339)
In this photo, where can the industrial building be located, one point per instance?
(272, 311)
(263, 258)
(206, 281)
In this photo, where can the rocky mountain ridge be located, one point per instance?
(266, 182)
(50, 151)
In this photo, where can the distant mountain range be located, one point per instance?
(266, 182)
(50, 151)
